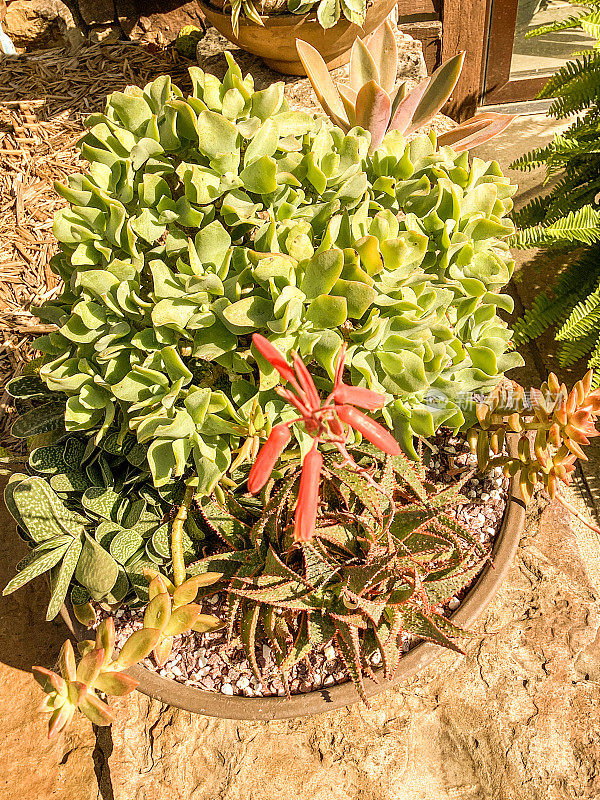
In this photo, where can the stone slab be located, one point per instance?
(515, 718)
(30, 765)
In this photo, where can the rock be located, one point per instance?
(411, 62)
(127, 14)
(155, 25)
(35, 24)
(105, 34)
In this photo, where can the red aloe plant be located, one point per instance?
(325, 421)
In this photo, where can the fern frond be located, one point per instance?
(591, 24)
(572, 352)
(582, 319)
(552, 308)
(582, 226)
(575, 21)
(594, 364)
(532, 214)
(569, 79)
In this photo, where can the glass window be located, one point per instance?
(544, 54)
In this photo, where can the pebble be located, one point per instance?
(329, 680)
(243, 683)
(453, 603)
(329, 652)
(227, 689)
(376, 658)
(248, 691)
(266, 652)
(473, 493)
(484, 496)
(201, 662)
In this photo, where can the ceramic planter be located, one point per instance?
(275, 43)
(215, 704)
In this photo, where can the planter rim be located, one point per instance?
(319, 701)
(283, 18)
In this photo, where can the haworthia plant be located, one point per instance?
(207, 218)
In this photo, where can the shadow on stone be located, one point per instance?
(26, 639)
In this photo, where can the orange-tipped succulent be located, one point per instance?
(553, 427)
(327, 422)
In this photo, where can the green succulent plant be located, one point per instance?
(207, 218)
(78, 686)
(373, 100)
(90, 513)
(171, 611)
(328, 12)
(385, 555)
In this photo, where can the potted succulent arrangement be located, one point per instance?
(329, 25)
(239, 432)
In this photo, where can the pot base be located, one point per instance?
(297, 68)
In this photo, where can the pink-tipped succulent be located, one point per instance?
(327, 422)
(78, 685)
(375, 103)
(169, 612)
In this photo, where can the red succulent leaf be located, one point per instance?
(267, 457)
(370, 429)
(307, 383)
(308, 496)
(358, 396)
(275, 358)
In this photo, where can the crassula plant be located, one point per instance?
(205, 219)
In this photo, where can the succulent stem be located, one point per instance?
(179, 572)
(571, 509)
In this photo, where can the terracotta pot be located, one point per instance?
(275, 43)
(215, 704)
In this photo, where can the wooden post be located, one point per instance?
(465, 25)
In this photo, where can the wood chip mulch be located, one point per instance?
(44, 98)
